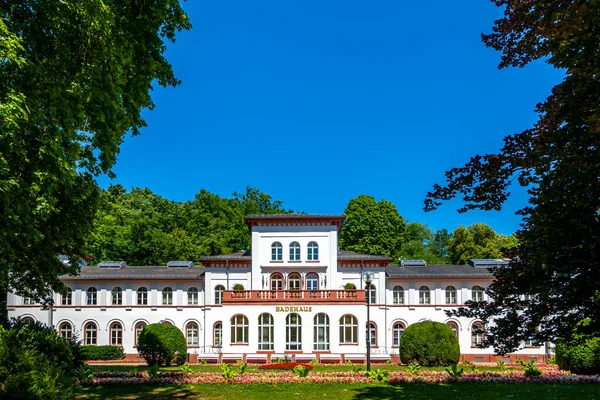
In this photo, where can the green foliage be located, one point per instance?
(349, 362)
(162, 344)
(102, 352)
(238, 286)
(580, 354)
(379, 375)
(204, 361)
(36, 363)
(153, 371)
(388, 362)
(301, 371)
(470, 365)
(186, 369)
(85, 372)
(313, 362)
(228, 371)
(551, 360)
(429, 343)
(531, 371)
(420, 243)
(413, 368)
(500, 364)
(454, 371)
(356, 368)
(477, 241)
(350, 286)
(243, 365)
(74, 80)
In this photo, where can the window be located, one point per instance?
(294, 251)
(312, 281)
(397, 331)
(67, 299)
(28, 301)
(348, 329)
(313, 251)
(321, 332)
(116, 334)
(192, 296)
(27, 320)
(142, 296)
(218, 334)
(219, 289)
(477, 332)
(398, 293)
(293, 332)
(477, 293)
(92, 296)
(372, 333)
(276, 251)
(65, 330)
(265, 332)
(167, 296)
(239, 329)
(371, 293)
(139, 327)
(454, 328)
(294, 281)
(117, 296)
(276, 281)
(451, 295)
(90, 333)
(424, 295)
(191, 333)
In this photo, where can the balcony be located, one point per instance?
(232, 297)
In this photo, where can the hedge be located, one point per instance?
(162, 344)
(580, 354)
(429, 344)
(102, 352)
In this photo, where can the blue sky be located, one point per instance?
(317, 102)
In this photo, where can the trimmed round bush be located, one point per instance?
(429, 344)
(162, 344)
(579, 357)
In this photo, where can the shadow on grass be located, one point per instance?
(136, 392)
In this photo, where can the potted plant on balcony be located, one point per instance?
(350, 286)
(238, 286)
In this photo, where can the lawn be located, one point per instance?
(487, 391)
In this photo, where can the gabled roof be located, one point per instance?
(136, 272)
(438, 271)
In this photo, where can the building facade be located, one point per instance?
(294, 295)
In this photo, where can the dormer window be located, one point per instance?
(276, 252)
(313, 251)
(294, 251)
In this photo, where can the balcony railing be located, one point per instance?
(293, 296)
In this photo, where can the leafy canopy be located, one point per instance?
(553, 281)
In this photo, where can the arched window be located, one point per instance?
(477, 293)
(65, 330)
(67, 299)
(265, 332)
(276, 251)
(276, 281)
(371, 292)
(167, 296)
(454, 327)
(294, 281)
(139, 327)
(92, 296)
(451, 295)
(191, 334)
(293, 332)
(313, 251)
(27, 320)
(477, 332)
(397, 331)
(398, 293)
(348, 329)
(321, 332)
(239, 329)
(116, 334)
(192, 296)
(312, 281)
(424, 295)
(117, 296)
(90, 334)
(372, 334)
(294, 251)
(219, 289)
(142, 296)
(218, 334)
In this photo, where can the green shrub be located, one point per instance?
(531, 371)
(102, 353)
(581, 356)
(301, 371)
(350, 286)
(454, 371)
(413, 368)
(238, 286)
(429, 343)
(36, 363)
(162, 344)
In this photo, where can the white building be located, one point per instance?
(289, 295)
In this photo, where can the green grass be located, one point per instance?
(344, 391)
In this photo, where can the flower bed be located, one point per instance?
(284, 366)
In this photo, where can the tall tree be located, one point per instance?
(557, 262)
(477, 241)
(74, 78)
(372, 227)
